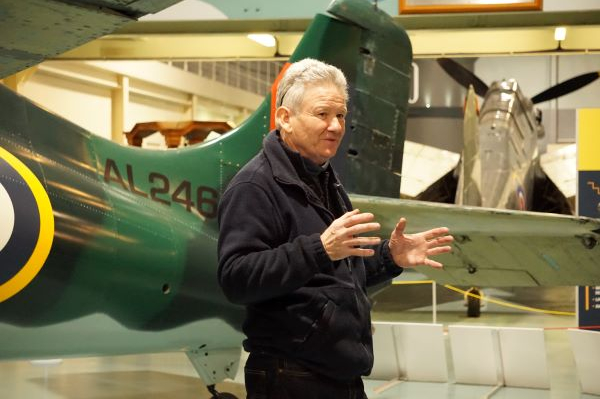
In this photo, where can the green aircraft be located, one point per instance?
(110, 250)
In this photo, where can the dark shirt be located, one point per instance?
(319, 178)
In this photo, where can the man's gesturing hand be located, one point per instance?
(340, 239)
(410, 250)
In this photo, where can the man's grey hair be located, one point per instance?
(290, 91)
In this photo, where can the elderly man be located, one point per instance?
(291, 250)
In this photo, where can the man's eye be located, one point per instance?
(341, 116)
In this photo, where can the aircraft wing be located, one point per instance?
(33, 30)
(500, 247)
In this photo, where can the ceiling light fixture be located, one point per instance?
(560, 33)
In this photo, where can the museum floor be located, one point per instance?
(170, 375)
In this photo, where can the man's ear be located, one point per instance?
(282, 116)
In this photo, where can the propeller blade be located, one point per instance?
(565, 87)
(463, 76)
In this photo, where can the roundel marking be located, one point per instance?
(7, 215)
(29, 242)
(521, 198)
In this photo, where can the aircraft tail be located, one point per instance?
(378, 65)
(375, 54)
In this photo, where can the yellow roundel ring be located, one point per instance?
(27, 270)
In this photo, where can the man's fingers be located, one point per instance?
(433, 263)
(358, 218)
(400, 226)
(362, 241)
(350, 213)
(362, 228)
(433, 233)
(440, 241)
(439, 250)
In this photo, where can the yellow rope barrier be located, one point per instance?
(408, 282)
(487, 298)
(508, 304)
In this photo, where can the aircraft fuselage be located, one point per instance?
(508, 134)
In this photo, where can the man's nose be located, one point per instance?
(335, 125)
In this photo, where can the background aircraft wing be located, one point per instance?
(33, 30)
(500, 247)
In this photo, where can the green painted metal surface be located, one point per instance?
(266, 9)
(276, 11)
(33, 30)
(495, 248)
(132, 267)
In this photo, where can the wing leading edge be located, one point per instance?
(500, 247)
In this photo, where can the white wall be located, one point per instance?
(572, 5)
(82, 93)
(569, 66)
(85, 105)
(186, 10)
(537, 73)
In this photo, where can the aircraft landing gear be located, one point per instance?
(219, 395)
(473, 303)
(214, 366)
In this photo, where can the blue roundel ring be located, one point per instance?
(28, 231)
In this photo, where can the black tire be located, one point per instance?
(473, 304)
(473, 307)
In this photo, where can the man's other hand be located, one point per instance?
(410, 250)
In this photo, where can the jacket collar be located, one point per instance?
(282, 163)
(285, 163)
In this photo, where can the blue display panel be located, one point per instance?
(589, 202)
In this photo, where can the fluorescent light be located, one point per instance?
(264, 39)
(560, 33)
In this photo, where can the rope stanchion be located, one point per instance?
(503, 303)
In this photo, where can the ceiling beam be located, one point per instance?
(465, 35)
(409, 22)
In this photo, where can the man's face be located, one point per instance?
(316, 128)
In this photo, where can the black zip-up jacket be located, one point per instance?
(300, 304)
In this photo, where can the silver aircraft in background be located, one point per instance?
(500, 158)
(500, 163)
